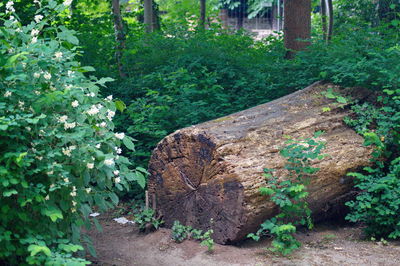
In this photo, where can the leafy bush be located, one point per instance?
(290, 194)
(181, 232)
(59, 155)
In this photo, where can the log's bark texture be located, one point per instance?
(209, 175)
(297, 25)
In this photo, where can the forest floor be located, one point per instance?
(326, 244)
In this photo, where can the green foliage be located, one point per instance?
(378, 204)
(147, 217)
(59, 155)
(290, 194)
(181, 232)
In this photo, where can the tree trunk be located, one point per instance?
(330, 25)
(156, 17)
(119, 36)
(297, 25)
(148, 15)
(203, 14)
(209, 175)
(323, 19)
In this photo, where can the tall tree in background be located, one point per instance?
(297, 25)
(203, 14)
(119, 35)
(148, 15)
(327, 13)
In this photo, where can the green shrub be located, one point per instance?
(290, 194)
(59, 155)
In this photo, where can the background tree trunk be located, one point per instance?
(330, 25)
(203, 14)
(119, 36)
(297, 25)
(323, 19)
(148, 15)
(209, 175)
(156, 17)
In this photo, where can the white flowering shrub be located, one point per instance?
(59, 156)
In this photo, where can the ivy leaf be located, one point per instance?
(120, 105)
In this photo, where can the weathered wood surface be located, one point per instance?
(214, 170)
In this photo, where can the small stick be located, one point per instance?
(147, 199)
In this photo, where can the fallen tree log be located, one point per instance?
(209, 175)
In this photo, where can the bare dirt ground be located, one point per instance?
(327, 244)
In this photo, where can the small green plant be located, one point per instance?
(147, 218)
(181, 232)
(290, 194)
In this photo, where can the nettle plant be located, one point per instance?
(59, 155)
(290, 194)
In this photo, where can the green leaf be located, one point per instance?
(128, 143)
(341, 99)
(120, 105)
(53, 212)
(35, 249)
(9, 193)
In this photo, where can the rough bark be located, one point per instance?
(213, 171)
(297, 25)
(119, 36)
(148, 15)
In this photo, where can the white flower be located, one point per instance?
(70, 73)
(21, 104)
(118, 150)
(88, 190)
(47, 75)
(9, 4)
(110, 114)
(109, 98)
(94, 214)
(90, 165)
(37, 92)
(93, 110)
(109, 162)
(73, 147)
(117, 180)
(36, 75)
(34, 40)
(103, 124)
(63, 119)
(67, 2)
(73, 193)
(52, 185)
(18, 30)
(38, 18)
(74, 203)
(92, 94)
(7, 94)
(66, 152)
(50, 173)
(116, 172)
(69, 125)
(119, 135)
(34, 32)
(58, 55)
(47, 197)
(36, 1)
(75, 103)
(66, 180)
(98, 146)
(73, 210)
